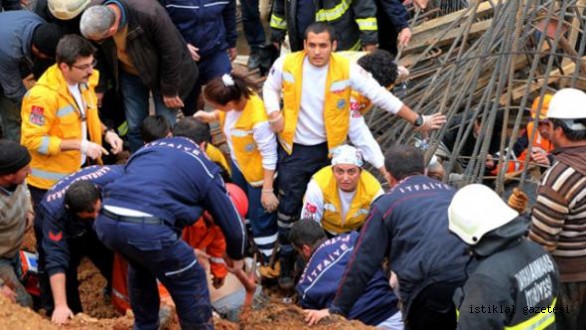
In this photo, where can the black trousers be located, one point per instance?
(433, 308)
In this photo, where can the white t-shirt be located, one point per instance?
(314, 205)
(76, 93)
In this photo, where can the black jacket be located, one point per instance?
(353, 21)
(513, 279)
(156, 49)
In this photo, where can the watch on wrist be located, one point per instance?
(419, 121)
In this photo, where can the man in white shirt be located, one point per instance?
(316, 119)
(339, 196)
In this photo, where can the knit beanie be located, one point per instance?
(13, 157)
(46, 37)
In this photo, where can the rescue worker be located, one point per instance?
(253, 151)
(66, 216)
(147, 54)
(60, 126)
(514, 284)
(409, 224)
(25, 37)
(339, 196)
(144, 226)
(316, 85)
(540, 147)
(326, 259)
(559, 213)
(209, 28)
(355, 22)
(16, 217)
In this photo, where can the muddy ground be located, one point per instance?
(99, 314)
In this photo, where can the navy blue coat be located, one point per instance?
(409, 224)
(173, 180)
(209, 25)
(319, 282)
(58, 225)
(16, 33)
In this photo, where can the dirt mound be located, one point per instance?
(280, 316)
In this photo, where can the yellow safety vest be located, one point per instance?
(336, 103)
(367, 189)
(49, 115)
(245, 148)
(218, 157)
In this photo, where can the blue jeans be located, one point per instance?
(263, 224)
(210, 67)
(136, 107)
(156, 252)
(253, 29)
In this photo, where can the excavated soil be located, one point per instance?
(99, 314)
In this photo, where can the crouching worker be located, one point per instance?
(16, 217)
(326, 260)
(514, 275)
(142, 217)
(339, 196)
(66, 215)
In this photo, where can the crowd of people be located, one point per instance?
(180, 218)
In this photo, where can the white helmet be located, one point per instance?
(476, 210)
(67, 9)
(568, 103)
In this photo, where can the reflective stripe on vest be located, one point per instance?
(278, 23)
(367, 24)
(54, 176)
(537, 322)
(328, 15)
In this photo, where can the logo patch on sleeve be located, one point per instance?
(37, 116)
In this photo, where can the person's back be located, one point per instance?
(409, 224)
(418, 229)
(321, 277)
(515, 281)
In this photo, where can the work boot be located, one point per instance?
(287, 263)
(253, 60)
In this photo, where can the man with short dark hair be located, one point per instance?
(326, 260)
(409, 224)
(25, 36)
(15, 218)
(61, 127)
(559, 214)
(155, 127)
(200, 133)
(316, 85)
(66, 216)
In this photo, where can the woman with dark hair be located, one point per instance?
(253, 149)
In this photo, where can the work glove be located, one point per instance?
(518, 200)
(92, 150)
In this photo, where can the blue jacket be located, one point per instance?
(173, 180)
(409, 224)
(319, 282)
(16, 33)
(209, 25)
(58, 225)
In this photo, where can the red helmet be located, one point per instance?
(239, 199)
